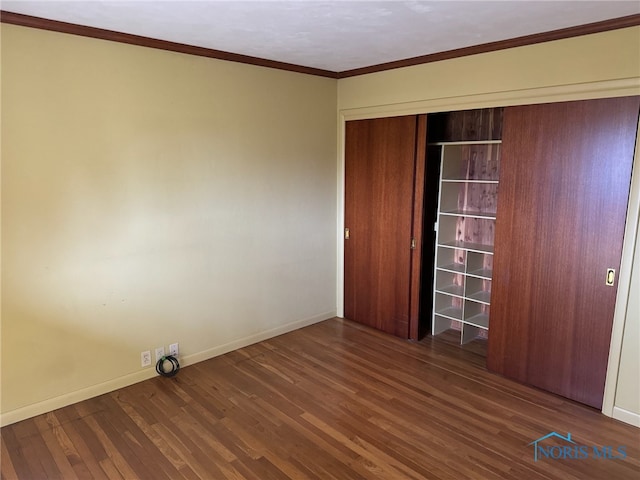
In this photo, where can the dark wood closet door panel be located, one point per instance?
(565, 178)
(379, 181)
(417, 329)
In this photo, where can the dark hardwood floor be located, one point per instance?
(332, 401)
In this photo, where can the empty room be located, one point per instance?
(320, 240)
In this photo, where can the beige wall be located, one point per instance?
(150, 197)
(592, 66)
(515, 73)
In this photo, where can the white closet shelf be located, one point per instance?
(472, 247)
(467, 206)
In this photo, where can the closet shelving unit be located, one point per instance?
(465, 236)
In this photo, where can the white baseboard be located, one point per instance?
(54, 403)
(626, 416)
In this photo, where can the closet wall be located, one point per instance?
(557, 245)
(600, 65)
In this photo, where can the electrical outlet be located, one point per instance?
(145, 358)
(173, 350)
(159, 353)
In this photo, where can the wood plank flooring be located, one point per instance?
(335, 400)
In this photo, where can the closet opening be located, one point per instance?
(460, 202)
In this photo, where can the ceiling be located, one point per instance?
(331, 35)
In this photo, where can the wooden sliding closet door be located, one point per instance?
(564, 187)
(380, 172)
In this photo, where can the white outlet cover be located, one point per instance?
(145, 358)
(159, 353)
(174, 350)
